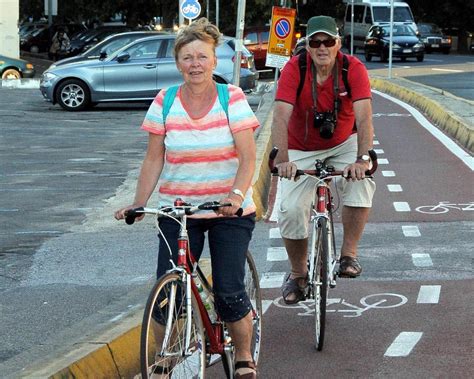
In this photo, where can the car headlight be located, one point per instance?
(418, 45)
(446, 40)
(47, 76)
(395, 46)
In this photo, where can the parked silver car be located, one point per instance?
(136, 72)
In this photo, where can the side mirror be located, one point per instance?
(123, 57)
(102, 55)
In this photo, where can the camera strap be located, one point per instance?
(314, 87)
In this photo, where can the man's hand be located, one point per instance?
(356, 170)
(286, 170)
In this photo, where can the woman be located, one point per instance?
(201, 153)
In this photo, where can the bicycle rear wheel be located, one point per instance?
(320, 280)
(163, 347)
(252, 287)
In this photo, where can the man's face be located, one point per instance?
(320, 49)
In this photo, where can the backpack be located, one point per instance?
(302, 65)
(222, 94)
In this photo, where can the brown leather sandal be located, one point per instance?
(349, 267)
(291, 287)
(245, 370)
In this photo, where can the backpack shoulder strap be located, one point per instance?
(223, 95)
(302, 66)
(345, 72)
(168, 101)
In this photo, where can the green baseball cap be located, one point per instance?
(321, 24)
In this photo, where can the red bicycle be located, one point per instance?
(192, 337)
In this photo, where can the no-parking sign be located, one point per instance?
(281, 36)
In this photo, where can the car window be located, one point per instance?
(170, 49)
(144, 50)
(358, 13)
(251, 38)
(115, 45)
(264, 36)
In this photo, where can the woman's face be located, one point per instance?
(196, 61)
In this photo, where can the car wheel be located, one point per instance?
(73, 95)
(383, 56)
(34, 49)
(420, 58)
(368, 57)
(11, 73)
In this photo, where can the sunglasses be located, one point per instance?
(315, 43)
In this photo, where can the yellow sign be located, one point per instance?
(281, 31)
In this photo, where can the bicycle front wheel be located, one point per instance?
(320, 280)
(171, 342)
(252, 287)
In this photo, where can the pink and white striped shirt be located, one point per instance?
(200, 158)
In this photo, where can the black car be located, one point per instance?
(40, 39)
(406, 43)
(84, 41)
(106, 47)
(433, 38)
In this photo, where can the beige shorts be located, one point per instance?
(297, 197)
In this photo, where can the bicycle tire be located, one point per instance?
(181, 364)
(320, 280)
(252, 287)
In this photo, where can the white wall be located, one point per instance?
(9, 18)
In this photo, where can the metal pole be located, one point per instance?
(391, 42)
(217, 13)
(50, 13)
(239, 34)
(352, 27)
(207, 9)
(181, 16)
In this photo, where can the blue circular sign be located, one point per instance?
(282, 28)
(191, 9)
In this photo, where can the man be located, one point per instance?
(302, 138)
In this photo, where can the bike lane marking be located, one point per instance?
(403, 344)
(411, 231)
(429, 294)
(421, 260)
(401, 206)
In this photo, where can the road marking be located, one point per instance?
(388, 173)
(40, 232)
(265, 305)
(382, 161)
(464, 156)
(379, 151)
(401, 206)
(411, 231)
(394, 187)
(403, 344)
(86, 160)
(275, 233)
(376, 142)
(272, 279)
(428, 295)
(446, 70)
(421, 260)
(275, 254)
(9, 210)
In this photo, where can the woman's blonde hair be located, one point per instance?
(200, 29)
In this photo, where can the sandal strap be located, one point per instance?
(245, 364)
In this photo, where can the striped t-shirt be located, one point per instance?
(200, 155)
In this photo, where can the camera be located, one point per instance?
(326, 123)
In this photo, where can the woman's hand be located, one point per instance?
(122, 212)
(236, 202)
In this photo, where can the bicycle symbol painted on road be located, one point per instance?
(444, 207)
(374, 301)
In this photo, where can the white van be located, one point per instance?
(368, 13)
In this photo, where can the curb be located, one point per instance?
(20, 83)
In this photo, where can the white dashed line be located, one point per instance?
(401, 206)
(429, 295)
(274, 233)
(382, 161)
(394, 187)
(403, 344)
(272, 279)
(275, 254)
(388, 173)
(376, 142)
(266, 304)
(421, 260)
(411, 231)
(379, 151)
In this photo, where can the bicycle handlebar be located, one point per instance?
(177, 210)
(324, 171)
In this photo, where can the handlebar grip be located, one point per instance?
(132, 214)
(239, 212)
(373, 158)
(273, 153)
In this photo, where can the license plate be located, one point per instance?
(435, 45)
(407, 50)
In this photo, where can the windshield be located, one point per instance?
(428, 28)
(398, 30)
(400, 14)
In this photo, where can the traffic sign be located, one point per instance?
(190, 9)
(281, 36)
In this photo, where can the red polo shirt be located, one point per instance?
(302, 135)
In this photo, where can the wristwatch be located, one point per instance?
(238, 192)
(363, 157)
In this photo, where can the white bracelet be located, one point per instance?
(238, 192)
